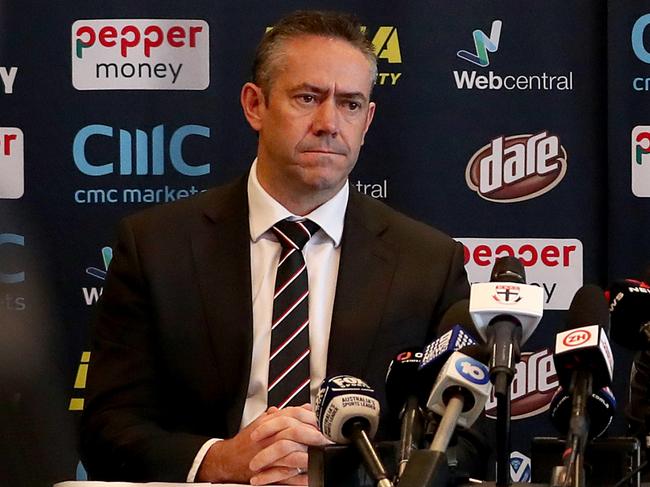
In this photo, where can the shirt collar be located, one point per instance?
(265, 211)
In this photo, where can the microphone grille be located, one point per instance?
(508, 269)
(589, 307)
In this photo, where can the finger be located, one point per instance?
(287, 427)
(284, 475)
(271, 454)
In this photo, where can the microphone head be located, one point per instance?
(601, 406)
(467, 376)
(402, 379)
(508, 269)
(629, 306)
(343, 400)
(588, 307)
(584, 345)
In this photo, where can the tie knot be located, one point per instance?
(294, 234)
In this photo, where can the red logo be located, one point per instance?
(517, 168)
(577, 337)
(507, 294)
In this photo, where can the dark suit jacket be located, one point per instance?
(172, 338)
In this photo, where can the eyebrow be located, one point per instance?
(319, 90)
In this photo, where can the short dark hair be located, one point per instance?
(336, 25)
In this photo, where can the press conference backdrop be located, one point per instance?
(519, 128)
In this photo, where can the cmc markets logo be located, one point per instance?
(92, 294)
(640, 83)
(12, 162)
(138, 154)
(140, 54)
(555, 265)
(532, 388)
(517, 168)
(7, 78)
(484, 44)
(12, 270)
(641, 161)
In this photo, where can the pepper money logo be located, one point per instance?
(12, 162)
(641, 161)
(140, 54)
(517, 168)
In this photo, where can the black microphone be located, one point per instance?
(402, 396)
(584, 363)
(601, 406)
(629, 305)
(347, 411)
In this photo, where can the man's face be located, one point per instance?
(313, 123)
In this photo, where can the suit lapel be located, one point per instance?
(366, 271)
(221, 253)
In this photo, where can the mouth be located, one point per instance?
(323, 151)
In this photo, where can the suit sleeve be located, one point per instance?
(123, 433)
(456, 286)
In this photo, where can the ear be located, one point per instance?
(369, 116)
(253, 104)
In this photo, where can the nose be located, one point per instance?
(326, 119)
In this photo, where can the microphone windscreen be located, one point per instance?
(508, 269)
(629, 308)
(588, 307)
(458, 314)
(402, 379)
(601, 407)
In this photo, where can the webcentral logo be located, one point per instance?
(140, 54)
(12, 162)
(483, 45)
(91, 294)
(640, 161)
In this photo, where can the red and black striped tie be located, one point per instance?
(289, 367)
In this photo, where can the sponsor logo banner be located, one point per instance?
(12, 162)
(477, 80)
(7, 78)
(517, 167)
(641, 161)
(555, 265)
(140, 54)
(639, 46)
(532, 388)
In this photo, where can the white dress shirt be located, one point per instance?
(322, 254)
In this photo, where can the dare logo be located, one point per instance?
(517, 168)
(532, 388)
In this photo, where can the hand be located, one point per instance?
(269, 450)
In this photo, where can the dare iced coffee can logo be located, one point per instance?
(12, 162)
(140, 54)
(517, 168)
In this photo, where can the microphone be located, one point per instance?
(583, 362)
(347, 411)
(583, 349)
(505, 311)
(459, 396)
(629, 305)
(454, 333)
(601, 406)
(402, 395)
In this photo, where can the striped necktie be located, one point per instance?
(289, 358)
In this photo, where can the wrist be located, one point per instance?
(216, 466)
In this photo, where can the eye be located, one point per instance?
(352, 106)
(306, 98)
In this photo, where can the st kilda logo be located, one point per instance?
(506, 294)
(517, 167)
(576, 338)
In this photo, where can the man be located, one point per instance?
(184, 345)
